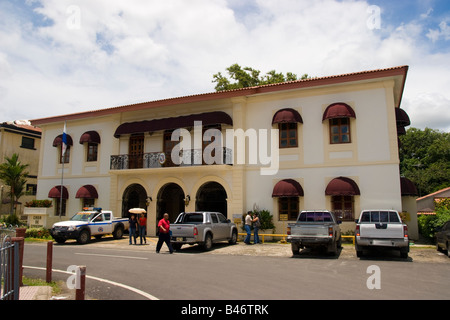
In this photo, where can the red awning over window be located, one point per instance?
(90, 136)
(87, 192)
(209, 118)
(402, 118)
(58, 141)
(342, 187)
(287, 115)
(338, 110)
(287, 188)
(55, 192)
(407, 187)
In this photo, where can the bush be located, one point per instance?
(429, 223)
(39, 204)
(38, 233)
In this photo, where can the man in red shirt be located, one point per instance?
(164, 233)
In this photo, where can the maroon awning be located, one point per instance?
(90, 136)
(338, 110)
(287, 188)
(408, 187)
(402, 118)
(287, 115)
(55, 192)
(58, 140)
(87, 192)
(342, 187)
(209, 118)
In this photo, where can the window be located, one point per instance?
(92, 151)
(340, 130)
(288, 208)
(31, 189)
(66, 155)
(343, 207)
(58, 205)
(288, 135)
(87, 203)
(27, 143)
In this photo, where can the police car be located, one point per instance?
(89, 222)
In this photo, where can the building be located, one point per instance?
(320, 143)
(426, 204)
(24, 139)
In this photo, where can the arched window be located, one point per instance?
(338, 115)
(287, 121)
(342, 191)
(92, 140)
(288, 192)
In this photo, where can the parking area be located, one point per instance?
(418, 253)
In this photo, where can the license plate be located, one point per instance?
(179, 239)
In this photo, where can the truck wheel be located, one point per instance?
(359, 250)
(176, 246)
(208, 242)
(84, 237)
(60, 240)
(332, 248)
(118, 233)
(295, 249)
(404, 253)
(233, 239)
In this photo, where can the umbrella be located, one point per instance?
(137, 210)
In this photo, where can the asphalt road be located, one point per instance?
(123, 272)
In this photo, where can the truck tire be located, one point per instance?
(359, 250)
(295, 249)
(176, 246)
(207, 245)
(404, 252)
(332, 248)
(84, 237)
(60, 240)
(118, 232)
(233, 239)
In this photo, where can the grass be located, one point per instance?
(56, 286)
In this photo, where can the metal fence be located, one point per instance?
(9, 266)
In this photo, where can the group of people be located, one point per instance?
(252, 219)
(140, 225)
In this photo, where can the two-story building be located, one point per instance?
(22, 138)
(320, 143)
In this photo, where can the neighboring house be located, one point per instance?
(24, 139)
(425, 204)
(337, 142)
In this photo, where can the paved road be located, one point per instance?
(269, 272)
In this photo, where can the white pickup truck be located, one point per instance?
(315, 229)
(202, 228)
(91, 222)
(383, 229)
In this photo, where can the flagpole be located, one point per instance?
(63, 152)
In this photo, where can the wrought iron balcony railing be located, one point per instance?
(187, 158)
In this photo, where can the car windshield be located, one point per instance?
(380, 216)
(315, 217)
(83, 216)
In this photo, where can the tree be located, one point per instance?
(425, 159)
(249, 77)
(13, 174)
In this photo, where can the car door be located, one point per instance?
(224, 226)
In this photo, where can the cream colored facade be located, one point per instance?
(23, 139)
(370, 159)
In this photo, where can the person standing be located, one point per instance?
(248, 227)
(164, 233)
(142, 227)
(256, 226)
(133, 225)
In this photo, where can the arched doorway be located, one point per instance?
(134, 196)
(211, 196)
(171, 201)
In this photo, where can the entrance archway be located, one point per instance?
(171, 201)
(211, 196)
(134, 196)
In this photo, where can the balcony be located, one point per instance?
(151, 160)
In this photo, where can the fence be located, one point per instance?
(9, 268)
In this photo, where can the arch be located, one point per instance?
(287, 115)
(170, 199)
(211, 196)
(338, 110)
(134, 196)
(342, 186)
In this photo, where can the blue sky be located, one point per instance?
(64, 56)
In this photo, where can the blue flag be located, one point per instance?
(64, 141)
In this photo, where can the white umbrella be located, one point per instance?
(137, 210)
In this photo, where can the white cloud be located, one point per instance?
(134, 51)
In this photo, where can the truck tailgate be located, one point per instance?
(381, 230)
(313, 230)
(182, 230)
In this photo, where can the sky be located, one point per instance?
(65, 56)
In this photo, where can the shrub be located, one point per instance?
(39, 204)
(38, 233)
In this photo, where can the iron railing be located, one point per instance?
(187, 158)
(9, 267)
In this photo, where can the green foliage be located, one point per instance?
(429, 223)
(249, 77)
(39, 204)
(38, 233)
(425, 159)
(13, 174)
(12, 220)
